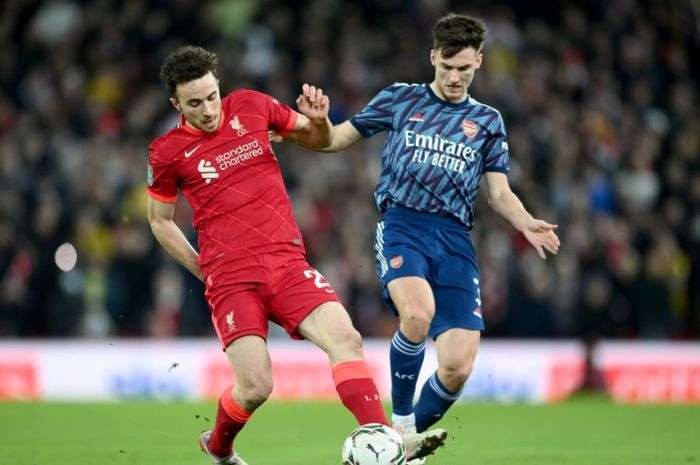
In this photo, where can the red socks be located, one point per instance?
(355, 387)
(358, 392)
(230, 419)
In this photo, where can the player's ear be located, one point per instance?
(176, 104)
(479, 59)
(432, 56)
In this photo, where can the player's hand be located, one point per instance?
(541, 236)
(274, 137)
(313, 104)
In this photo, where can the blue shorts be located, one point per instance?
(437, 249)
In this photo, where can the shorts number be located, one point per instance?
(319, 281)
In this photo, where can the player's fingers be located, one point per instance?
(555, 238)
(540, 251)
(551, 248)
(554, 242)
(312, 94)
(319, 95)
(305, 90)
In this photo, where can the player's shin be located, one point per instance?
(230, 420)
(434, 401)
(358, 392)
(405, 359)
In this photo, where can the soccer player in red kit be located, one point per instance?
(251, 254)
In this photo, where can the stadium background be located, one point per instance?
(600, 100)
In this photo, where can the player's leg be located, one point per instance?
(306, 306)
(241, 324)
(412, 298)
(402, 247)
(456, 326)
(329, 327)
(250, 361)
(456, 350)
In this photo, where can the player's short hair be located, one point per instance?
(454, 32)
(186, 64)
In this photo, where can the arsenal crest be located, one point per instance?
(470, 128)
(396, 262)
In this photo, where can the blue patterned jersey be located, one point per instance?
(435, 151)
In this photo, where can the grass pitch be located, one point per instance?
(585, 431)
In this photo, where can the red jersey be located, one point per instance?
(231, 178)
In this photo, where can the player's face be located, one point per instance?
(454, 75)
(200, 102)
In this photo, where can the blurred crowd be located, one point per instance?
(600, 100)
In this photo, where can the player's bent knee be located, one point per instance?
(418, 321)
(352, 339)
(455, 374)
(256, 395)
(256, 389)
(348, 343)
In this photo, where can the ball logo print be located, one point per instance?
(375, 452)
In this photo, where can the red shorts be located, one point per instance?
(278, 286)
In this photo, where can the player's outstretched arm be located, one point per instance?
(341, 136)
(170, 236)
(539, 233)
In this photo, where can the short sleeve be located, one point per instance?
(497, 156)
(280, 117)
(161, 178)
(378, 115)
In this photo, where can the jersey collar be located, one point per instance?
(466, 103)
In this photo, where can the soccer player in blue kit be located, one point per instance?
(440, 143)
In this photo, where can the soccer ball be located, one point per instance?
(373, 444)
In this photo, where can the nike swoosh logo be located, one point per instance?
(188, 154)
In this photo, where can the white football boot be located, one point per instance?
(418, 445)
(233, 459)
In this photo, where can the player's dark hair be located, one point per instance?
(186, 64)
(454, 32)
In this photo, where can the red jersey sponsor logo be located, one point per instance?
(207, 170)
(470, 128)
